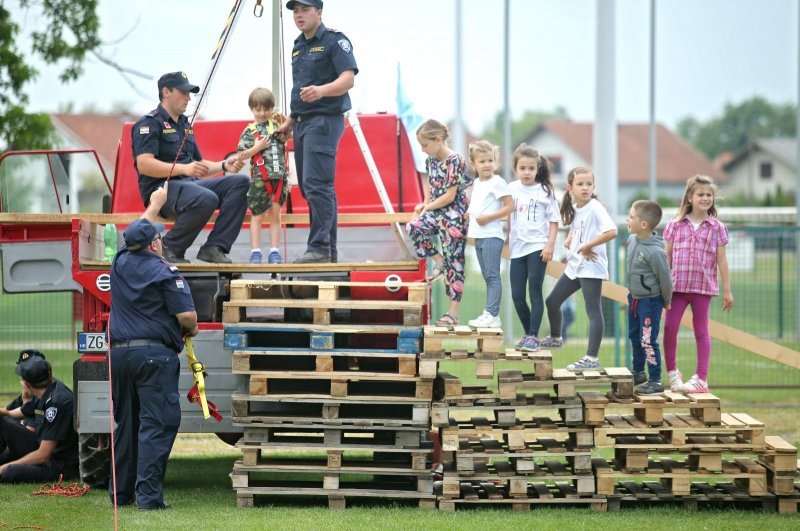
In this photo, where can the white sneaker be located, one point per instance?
(675, 380)
(695, 385)
(485, 320)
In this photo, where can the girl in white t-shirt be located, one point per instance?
(532, 239)
(489, 205)
(587, 264)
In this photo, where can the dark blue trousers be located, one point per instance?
(147, 411)
(644, 322)
(190, 202)
(528, 271)
(20, 441)
(316, 140)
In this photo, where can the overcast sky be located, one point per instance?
(709, 52)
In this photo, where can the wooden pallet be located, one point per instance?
(736, 432)
(565, 383)
(517, 485)
(484, 342)
(323, 436)
(780, 460)
(322, 310)
(677, 476)
(379, 460)
(301, 476)
(516, 436)
(507, 413)
(252, 289)
(523, 461)
(636, 494)
(372, 338)
(275, 362)
(368, 412)
(487, 493)
(340, 385)
(381, 492)
(650, 409)
(542, 362)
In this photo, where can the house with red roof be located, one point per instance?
(568, 144)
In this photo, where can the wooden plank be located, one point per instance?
(124, 219)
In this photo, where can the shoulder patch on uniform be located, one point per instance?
(179, 284)
(173, 268)
(153, 113)
(144, 130)
(344, 44)
(50, 413)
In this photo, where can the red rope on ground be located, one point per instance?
(72, 490)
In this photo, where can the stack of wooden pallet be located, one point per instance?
(337, 411)
(520, 442)
(683, 449)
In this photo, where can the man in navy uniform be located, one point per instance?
(164, 136)
(323, 70)
(151, 312)
(46, 446)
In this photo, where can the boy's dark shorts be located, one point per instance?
(259, 200)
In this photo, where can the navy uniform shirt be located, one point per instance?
(146, 294)
(157, 133)
(51, 415)
(318, 61)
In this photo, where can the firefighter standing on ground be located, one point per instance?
(151, 312)
(323, 70)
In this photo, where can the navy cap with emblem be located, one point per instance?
(177, 80)
(313, 3)
(27, 353)
(34, 370)
(140, 233)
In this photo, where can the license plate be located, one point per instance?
(91, 342)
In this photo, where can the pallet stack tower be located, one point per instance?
(337, 411)
(343, 411)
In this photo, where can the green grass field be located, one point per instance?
(202, 498)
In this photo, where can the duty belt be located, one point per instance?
(138, 343)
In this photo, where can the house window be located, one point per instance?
(765, 170)
(555, 160)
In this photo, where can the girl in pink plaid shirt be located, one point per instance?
(695, 245)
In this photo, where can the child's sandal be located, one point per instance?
(436, 274)
(448, 319)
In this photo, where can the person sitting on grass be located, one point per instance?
(47, 447)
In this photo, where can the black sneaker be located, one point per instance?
(213, 255)
(649, 388)
(161, 507)
(639, 378)
(312, 257)
(171, 257)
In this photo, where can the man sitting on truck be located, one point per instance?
(164, 146)
(47, 447)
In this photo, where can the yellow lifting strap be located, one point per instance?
(197, 369)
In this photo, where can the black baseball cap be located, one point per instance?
(177, 80)
(27, 353)
(313, 3)
(34, 369)
(140, 233)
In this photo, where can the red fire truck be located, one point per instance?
(46, 247)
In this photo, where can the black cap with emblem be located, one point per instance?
(177, 80)
(313, 3)
(34, 370)
(27, 353)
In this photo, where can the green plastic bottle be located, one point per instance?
(110, 235)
